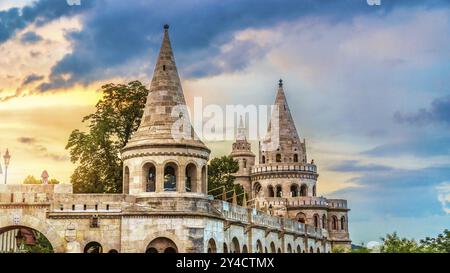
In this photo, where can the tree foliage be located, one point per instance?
(392, 243)
(220, 176)
(42, 244)
(34, 181)
(440, 244)
(118, 115)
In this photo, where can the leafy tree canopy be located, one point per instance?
(220, 176)
(96, 152)
(33, 180)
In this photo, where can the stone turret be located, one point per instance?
(165, 155)
(242, 153)
(282, 144)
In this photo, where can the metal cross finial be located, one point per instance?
(280, 84)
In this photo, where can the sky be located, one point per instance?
(368, 87)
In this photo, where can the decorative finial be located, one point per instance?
(280, 83)
(166, 26)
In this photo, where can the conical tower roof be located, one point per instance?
(165, 106)
(282, 136)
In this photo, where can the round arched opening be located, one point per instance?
(294, 190)
(93, 247)
(270, 191)
(256, 188)
(149, 172)
(259, 247)
(272, 248)
(212, 246)
(162, 245)
(279, 192)
(21, 239)
(301, 218)
(299, 250)
(170, 177)
(235, 248)
(289, 248)
(311, 250)
(244, 249)
(113, 251)
(303, 190)
(191, 178)
(225, 248)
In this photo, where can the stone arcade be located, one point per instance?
(165, 205)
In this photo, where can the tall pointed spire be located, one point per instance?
(164, 102)
(241, 133)
(282, 128)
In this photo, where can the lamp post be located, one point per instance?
(7, 158)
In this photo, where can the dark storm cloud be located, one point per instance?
(116, 32)
(39, 13)
(30, 38)
(32, 78)
(40, 149)
(438, 112)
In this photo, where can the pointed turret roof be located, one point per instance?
(164, 101)
(282, 126)
(241, 134)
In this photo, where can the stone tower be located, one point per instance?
(242, 153)
(165, 156)
(282, 144)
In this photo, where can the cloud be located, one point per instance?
(438, 112)
(355, 166)
(26, 140)
(444, 196)
(416, 146)
(32, 78)
(40, 150)
(117, 33)
(30, 37)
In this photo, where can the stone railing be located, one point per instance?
(253, 216)
(280, 167)
(31, 194)
(337, 203)
(300, 201)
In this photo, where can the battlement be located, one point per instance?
(304, 201)
(32, 194)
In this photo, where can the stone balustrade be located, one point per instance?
(280, 167)
(255, 217)
(300, 201)
(337, 203)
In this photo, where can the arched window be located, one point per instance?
(303, 190)
(334, 222)
(244, 161)
(235, 248)
(318, 250)
(343, 222)
(324, 221)
(289, 248)
(263, 159)
(311, 250)
(272, 248)
(278, 157)
(170, 177)
(301, 217)
(266, 251)
(126, 181)
(93, 247)
(256, 188)
(204, 179)
(212, 246)
(316, 221)
(244, 249)
(191, 178)
(314, 190)
(299, 250)
(149, 171)
(279, 191)
(270, 191)
(295, 157)
(162, 245)
(225, 248)
(259, 247)
(294, 190)
(279, 250)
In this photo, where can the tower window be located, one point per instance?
(164, 67)
(263, 159)
(295, 157)
(278, 157)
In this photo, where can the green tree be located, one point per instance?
(220, 175)
(118, 115)
(42, 244)
(440, 244)
(392, 243)
(31, 180)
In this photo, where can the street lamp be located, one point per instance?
(7, 158)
